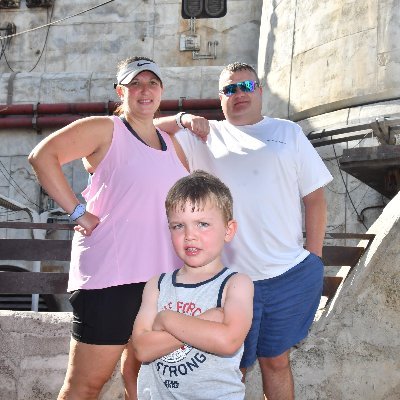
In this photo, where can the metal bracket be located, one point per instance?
(381, 130)
(9, 30)
(210, 55)
(392, 180)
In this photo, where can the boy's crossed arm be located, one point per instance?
(149, 345)
(156, 334)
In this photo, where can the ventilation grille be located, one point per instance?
(203, 8)
(214, 8)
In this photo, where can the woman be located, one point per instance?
(121, 237)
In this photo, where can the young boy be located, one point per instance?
(192, 323)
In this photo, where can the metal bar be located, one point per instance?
(35, 249)
(35, 225)
(320, 143)
(28, 282)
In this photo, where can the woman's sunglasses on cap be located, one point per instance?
(245, 86)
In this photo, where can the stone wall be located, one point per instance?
(95, 40)
(34, 355)
(319, 56)
(353, 350)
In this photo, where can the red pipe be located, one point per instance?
(39, 122)
(101, 108)
(36, 115)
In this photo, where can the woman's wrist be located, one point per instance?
(178, 119)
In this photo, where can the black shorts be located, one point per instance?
(105, 316)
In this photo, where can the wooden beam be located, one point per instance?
(35, 249)
(36, 225)
(331, 284)
(341, 255)
(33, 282)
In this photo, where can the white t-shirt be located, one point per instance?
(269, 167)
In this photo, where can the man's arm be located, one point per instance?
(198, 125)
(315, 220)
(223, 338)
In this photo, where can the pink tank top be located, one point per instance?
(132, 242)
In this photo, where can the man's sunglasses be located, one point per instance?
(245, 86)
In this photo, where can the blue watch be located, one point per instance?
(79, 210)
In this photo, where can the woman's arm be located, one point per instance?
(87, 138)
(219, 338)
(198, 125)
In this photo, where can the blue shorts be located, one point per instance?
(284, 309)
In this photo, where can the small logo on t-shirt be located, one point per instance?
(171, 384)
(177, 355)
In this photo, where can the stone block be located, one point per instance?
(326, 74)
(332, 21)
(62, 88)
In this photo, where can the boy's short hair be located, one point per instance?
(197, 188)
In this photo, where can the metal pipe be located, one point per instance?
(40, 116)
(102, 107)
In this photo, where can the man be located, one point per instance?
(271, 168)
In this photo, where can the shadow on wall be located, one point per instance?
(274, 104)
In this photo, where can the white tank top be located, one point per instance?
(190, 373)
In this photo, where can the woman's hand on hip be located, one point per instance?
(87, 223)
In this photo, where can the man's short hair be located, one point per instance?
(239, 66)
(198, 188)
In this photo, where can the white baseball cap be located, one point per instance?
(132, 69)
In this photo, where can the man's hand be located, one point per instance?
(198, 125)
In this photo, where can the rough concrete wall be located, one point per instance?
(95, 40)
(34, 355)
(318, 56)
(353, 351)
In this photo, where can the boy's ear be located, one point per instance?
(231, 228)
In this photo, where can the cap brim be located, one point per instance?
(135, 68)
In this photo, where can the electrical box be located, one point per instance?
(189, 42)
